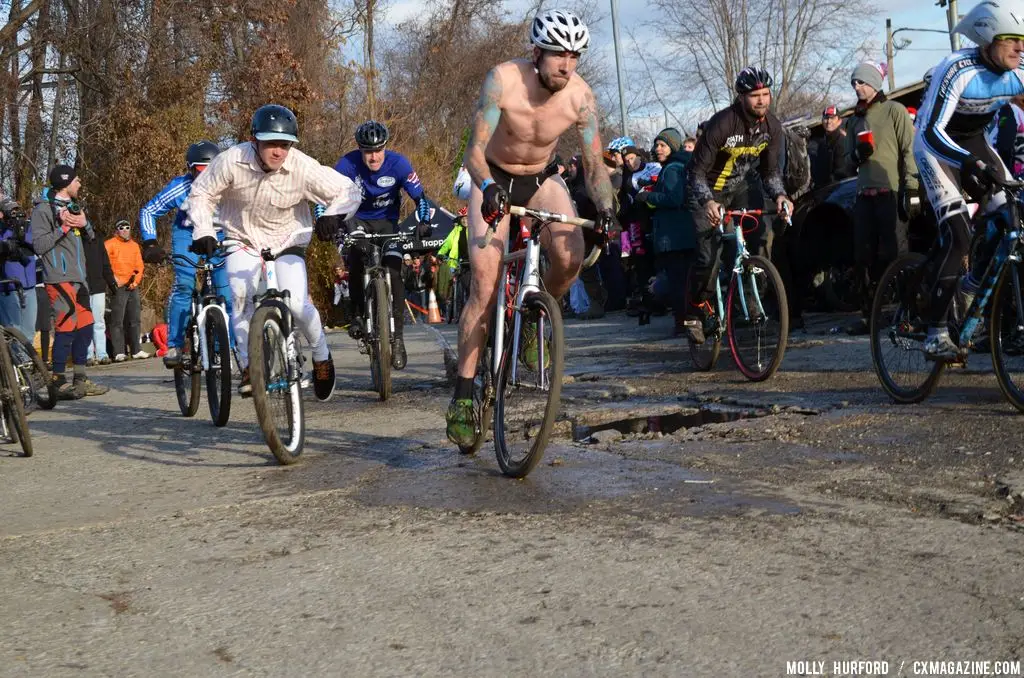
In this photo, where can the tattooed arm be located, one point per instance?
(485, 121)
(599, 185)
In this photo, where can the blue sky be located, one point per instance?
(924, 51)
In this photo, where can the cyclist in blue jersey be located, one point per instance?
(171, 197)
(952, 153)
(381, 175)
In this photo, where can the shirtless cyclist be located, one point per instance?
(524, 108)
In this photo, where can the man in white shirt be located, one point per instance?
(261, 190)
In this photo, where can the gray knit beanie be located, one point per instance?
(672, 138)
(869, 73)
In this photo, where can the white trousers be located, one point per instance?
(245, 281)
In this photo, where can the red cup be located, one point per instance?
(866, 137)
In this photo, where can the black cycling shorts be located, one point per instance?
(521, 187)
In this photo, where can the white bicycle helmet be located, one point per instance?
(556, 30)
(463, 184)
(990, 19)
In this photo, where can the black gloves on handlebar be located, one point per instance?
(606, 223)
(328, 227)
(152, 253)
(903, 204)
(205, 246)
(495, 204)
(976, 179)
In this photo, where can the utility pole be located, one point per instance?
(618, 63)
(952, 19)
(889, 54)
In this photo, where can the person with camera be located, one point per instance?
(17, 307)
(126, 309)
(59, 227)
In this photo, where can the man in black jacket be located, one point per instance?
(828, 164)
(99, 278)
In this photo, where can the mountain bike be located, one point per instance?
(34, 377)
(754, 307)
(519, 375)
(207, 347)
(378, 322)
(898, 332)
(275, 361)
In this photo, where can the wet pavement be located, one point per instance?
(680, 523)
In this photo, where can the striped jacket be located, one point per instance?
(169, 198)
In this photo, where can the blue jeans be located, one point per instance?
(10, 310)
(179, 306)
(98, 350)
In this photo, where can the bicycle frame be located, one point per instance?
(377, 268)
(742, 253)
(1007, 250)
(528, 281)
(201, 309)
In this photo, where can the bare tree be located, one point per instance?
(803, 43)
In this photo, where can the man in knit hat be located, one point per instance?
(880, 148)
(58, 228)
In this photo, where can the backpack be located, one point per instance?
(796, 176)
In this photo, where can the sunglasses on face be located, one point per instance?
(857, 82)
(124, 228)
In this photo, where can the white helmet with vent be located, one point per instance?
(556, 30)
(992, 18)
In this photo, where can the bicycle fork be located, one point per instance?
(530, 284)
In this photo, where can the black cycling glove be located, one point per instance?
(495, 203)
(328, 226)
(205, 246)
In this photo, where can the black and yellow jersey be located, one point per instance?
(727, 150)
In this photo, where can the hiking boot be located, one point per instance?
(323, 378)
(244, 387)
(462, 425)
(66, 391)
(940, 348)
(89, 387)
(104, 360)
(398, 355)
(172, 358)
(528, 352)
(858, 328)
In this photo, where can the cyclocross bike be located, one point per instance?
(25, 381)
(519, 375)
(754, 307)
(898, 332)
(275, 361)
(207, 347)
(378, 320)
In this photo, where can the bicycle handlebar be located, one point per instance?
(540, 215)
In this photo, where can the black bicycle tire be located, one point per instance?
(486, 405)
(258, 380)
(557, 353)
(898, 394)
(218, 401)
(380, 345)
(783, 310)
(14, 404)
(1014, 395)
(713, 346)
(37, 363)
(187, 386)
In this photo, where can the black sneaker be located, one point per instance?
(355, 329)
(323, 379)
(398, 355)
(858, 328)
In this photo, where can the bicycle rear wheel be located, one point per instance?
(483, 401)
(13, 400)
(33, 369)
(757, 319)
(380, 342)
(1006, 334)
(898, 334)
(276, 389)
(218, 376)
(526, 403)
(186, 375)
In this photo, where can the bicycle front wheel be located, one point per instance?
(218, 376)
(528, 387)
(13, 400)
(1006, 334)
(380, 343)
(757, 319)
(276, 390)
(898, 334)
(33, 369)
(186, 375)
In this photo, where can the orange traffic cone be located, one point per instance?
(433, 312)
